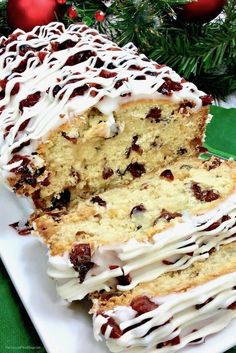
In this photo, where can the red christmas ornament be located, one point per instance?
(201, 10)
(99, 16)
(26, 14)
(72, 12)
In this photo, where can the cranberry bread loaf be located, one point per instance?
(160, 223)
(79, 115)
(175, 310)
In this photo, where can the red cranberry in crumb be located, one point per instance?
(154, 115)
(115, 332)
(213, 164)
(99, 201)
(204, 195)
(136, 169)
(168, 216)
(71, 139)
(206, 100)
(61, 200)
(167, 174)
(137, 209)
(80, 257)
(107, 173)
(143, 305)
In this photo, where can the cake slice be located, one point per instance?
(162, 222)
(80, 115)
(173, 311)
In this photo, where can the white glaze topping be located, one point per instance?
(173, 249)
(53, 74)
(176, 316)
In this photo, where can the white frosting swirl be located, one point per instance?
(176, 316)
(173, 249)
(52, 74)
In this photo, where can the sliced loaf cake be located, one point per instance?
(160, 223)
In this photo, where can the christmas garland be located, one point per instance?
(202, 52)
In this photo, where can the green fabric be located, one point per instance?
(17, 334)
(220, 133)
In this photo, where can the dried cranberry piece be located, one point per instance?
(42, 55)
(24, 125)
(137, 209)
(119, 83)
(100, 63)
(66, 44)
(152, 73)
(22, 145)
(39, 171)
(23, 231)
(24, 48)
(167, 174)
(168, 86)
(107, 173)
(55, 90)
(218, 223)
(116, 332)
(30, 101)
(80, 257)
(71, 139)
(143, 305)
(168, 262)
(15, 89)
(22, 167)
(62, 200)
(134, 147)
(107, 74)
(204, 195)
(76, 175)
(79, 91)
(21, 67)
(181, 151)
(79, 57)
(98, 200)
(232, 306)
(213, 164)
(168, 216)
(199, 306)
(173, 342)
(3, 84)
(124, 280)
(136, 169)
(206, 100)
(184, 105)
(154, 115)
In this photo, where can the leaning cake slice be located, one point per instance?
(79, 115)
(175, 310)
(160, 223)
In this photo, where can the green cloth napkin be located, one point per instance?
(17, 334)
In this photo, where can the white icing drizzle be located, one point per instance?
(176, 315)
(52, 74)
(183, 244)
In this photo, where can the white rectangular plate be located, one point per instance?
(61, 327)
